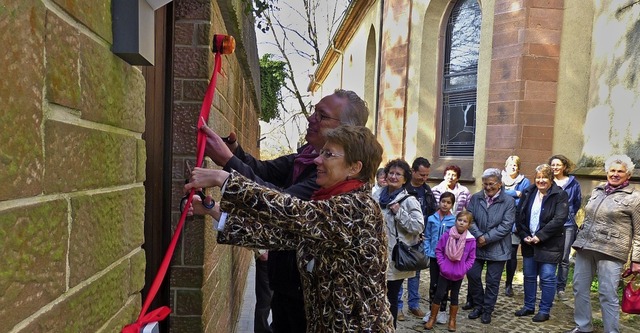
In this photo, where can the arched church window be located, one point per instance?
(460, 75)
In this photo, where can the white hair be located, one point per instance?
(619, 159)
(492, 172)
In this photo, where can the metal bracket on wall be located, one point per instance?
(133, 29)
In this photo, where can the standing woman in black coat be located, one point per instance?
(540, 217)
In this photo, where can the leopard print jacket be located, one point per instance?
(341, 250)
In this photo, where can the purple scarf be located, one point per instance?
(608, 189)
(302, 160)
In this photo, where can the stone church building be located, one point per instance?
(471, 82)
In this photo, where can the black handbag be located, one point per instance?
(408, 257)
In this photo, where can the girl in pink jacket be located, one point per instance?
(456, 251)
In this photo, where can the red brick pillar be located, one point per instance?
(524, 76)
(393, 77)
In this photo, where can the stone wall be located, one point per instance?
(72, 165)
(207, 280)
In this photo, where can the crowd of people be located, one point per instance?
(325, 221)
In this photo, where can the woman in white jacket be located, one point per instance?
(403, 216)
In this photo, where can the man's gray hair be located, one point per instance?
(355, 111)
(492, 172)
(619, 159)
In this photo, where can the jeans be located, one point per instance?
(263, 298)
(570, 234)
(393, 287)
(609, 270)
(547, 273)
(482, 297)
(413, 284)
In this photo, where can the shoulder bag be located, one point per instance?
(408, 257)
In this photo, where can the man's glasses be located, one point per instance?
(489, 184)
(320, 116)
(326, 154)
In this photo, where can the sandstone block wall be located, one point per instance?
(72, 165)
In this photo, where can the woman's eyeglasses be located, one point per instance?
(326, 154)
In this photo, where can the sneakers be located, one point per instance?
(401, 316)
(417, 312)
(562, 296)
(442, 317)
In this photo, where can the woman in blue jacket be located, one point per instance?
(561, 167)
(514, 184)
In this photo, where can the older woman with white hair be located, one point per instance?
(609, 236)
(494, 213)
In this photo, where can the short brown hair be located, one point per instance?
(545, 170)
(359, 144)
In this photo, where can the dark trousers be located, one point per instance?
(512, 264)
(393, 288)
(434, 271)
(445, 286)
(288, 312)
(485, 297)
(263, 298)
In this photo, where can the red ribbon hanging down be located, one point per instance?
(222, 44)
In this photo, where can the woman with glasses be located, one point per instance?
(339, 235)
(561, 167)
(540, 217)
(404, 221)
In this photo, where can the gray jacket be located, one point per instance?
(494, 223)
(612, 224)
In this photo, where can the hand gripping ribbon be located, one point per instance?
(222, 44)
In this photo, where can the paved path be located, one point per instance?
(503, 318)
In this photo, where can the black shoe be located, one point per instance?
(540, 317)
(486, 318)
(467, 306)
(475, 314)
(576, 330)
(508, 291)
(524, 312)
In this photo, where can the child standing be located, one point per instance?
(437, 225)
(456, 252)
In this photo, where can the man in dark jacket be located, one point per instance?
(294, 174)
(494, 213)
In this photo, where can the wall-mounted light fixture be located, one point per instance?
(133, 29)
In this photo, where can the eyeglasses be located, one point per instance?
(490, 184)
(325, 154)
(395, 174)
(321, 116)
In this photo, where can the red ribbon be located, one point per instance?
(161, 313)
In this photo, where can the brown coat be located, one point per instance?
(341, 250)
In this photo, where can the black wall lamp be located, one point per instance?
(133, 29)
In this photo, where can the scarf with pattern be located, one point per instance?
(608, 189)
(455, 244)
